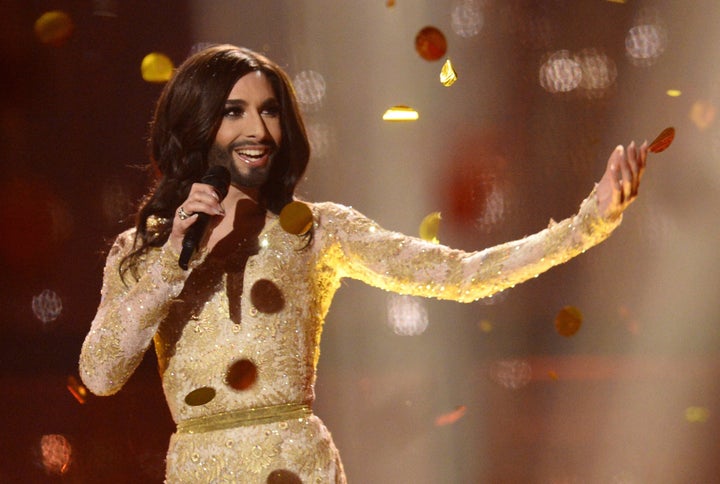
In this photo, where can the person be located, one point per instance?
(237, 334)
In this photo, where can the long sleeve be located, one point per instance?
(128, 315)
(358, 248)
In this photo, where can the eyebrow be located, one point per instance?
(244, 103)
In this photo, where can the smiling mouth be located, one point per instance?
(253, 156)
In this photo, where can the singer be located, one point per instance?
(237, 334)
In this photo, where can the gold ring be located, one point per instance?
(183, 214)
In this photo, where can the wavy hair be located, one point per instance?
(186, 120)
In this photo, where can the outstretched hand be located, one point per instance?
(619, 185)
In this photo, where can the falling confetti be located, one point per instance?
(47, 306)
(448, 76)
(430, 43)
(663, 140)
(54, 28)
(568, 321)
(77, 389)
(296, 218)
(156, 67)
(451, 417)
(400, 113)
(429, 227)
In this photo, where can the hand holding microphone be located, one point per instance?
(202, 203)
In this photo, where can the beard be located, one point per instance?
(240, 175)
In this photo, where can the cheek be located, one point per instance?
(275, 131)
(222, 138)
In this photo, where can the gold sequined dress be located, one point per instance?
(237, 338)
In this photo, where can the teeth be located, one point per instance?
(251, 153)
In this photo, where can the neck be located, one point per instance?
(245, 194)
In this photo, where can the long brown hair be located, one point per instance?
(187, 117)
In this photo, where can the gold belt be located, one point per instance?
(244, 417)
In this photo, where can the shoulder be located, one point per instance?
(332, 210)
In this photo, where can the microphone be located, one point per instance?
(219, 178)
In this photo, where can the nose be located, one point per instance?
(256, 127)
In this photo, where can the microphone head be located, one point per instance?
(219, 178)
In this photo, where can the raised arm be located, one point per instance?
(360, 249)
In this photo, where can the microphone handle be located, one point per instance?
(192, 239)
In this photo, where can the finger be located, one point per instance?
(626, 176)
(643, 160)
(633, 165)
(203, 198)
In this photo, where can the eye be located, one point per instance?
(271, 110)
(233, 112)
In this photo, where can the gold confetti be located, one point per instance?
(296, 218)
(448, 76)
(156, 67)
(429, 227)
(568, 321)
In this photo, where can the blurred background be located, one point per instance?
(603, 370)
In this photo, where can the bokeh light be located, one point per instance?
(599, 72)
(485, 325)
(702, 114)
(407, 315)
(156, 67)
(310, 89)
(511, 373)
(54, 28)
(697, 414)
(647, 39)
(55, 454)
(645, 43)
(466, 18)
(47, 306)
(320, 136)
(560, 72)
(430, 43)
(590, 72)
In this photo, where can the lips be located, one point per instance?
(255, 155)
